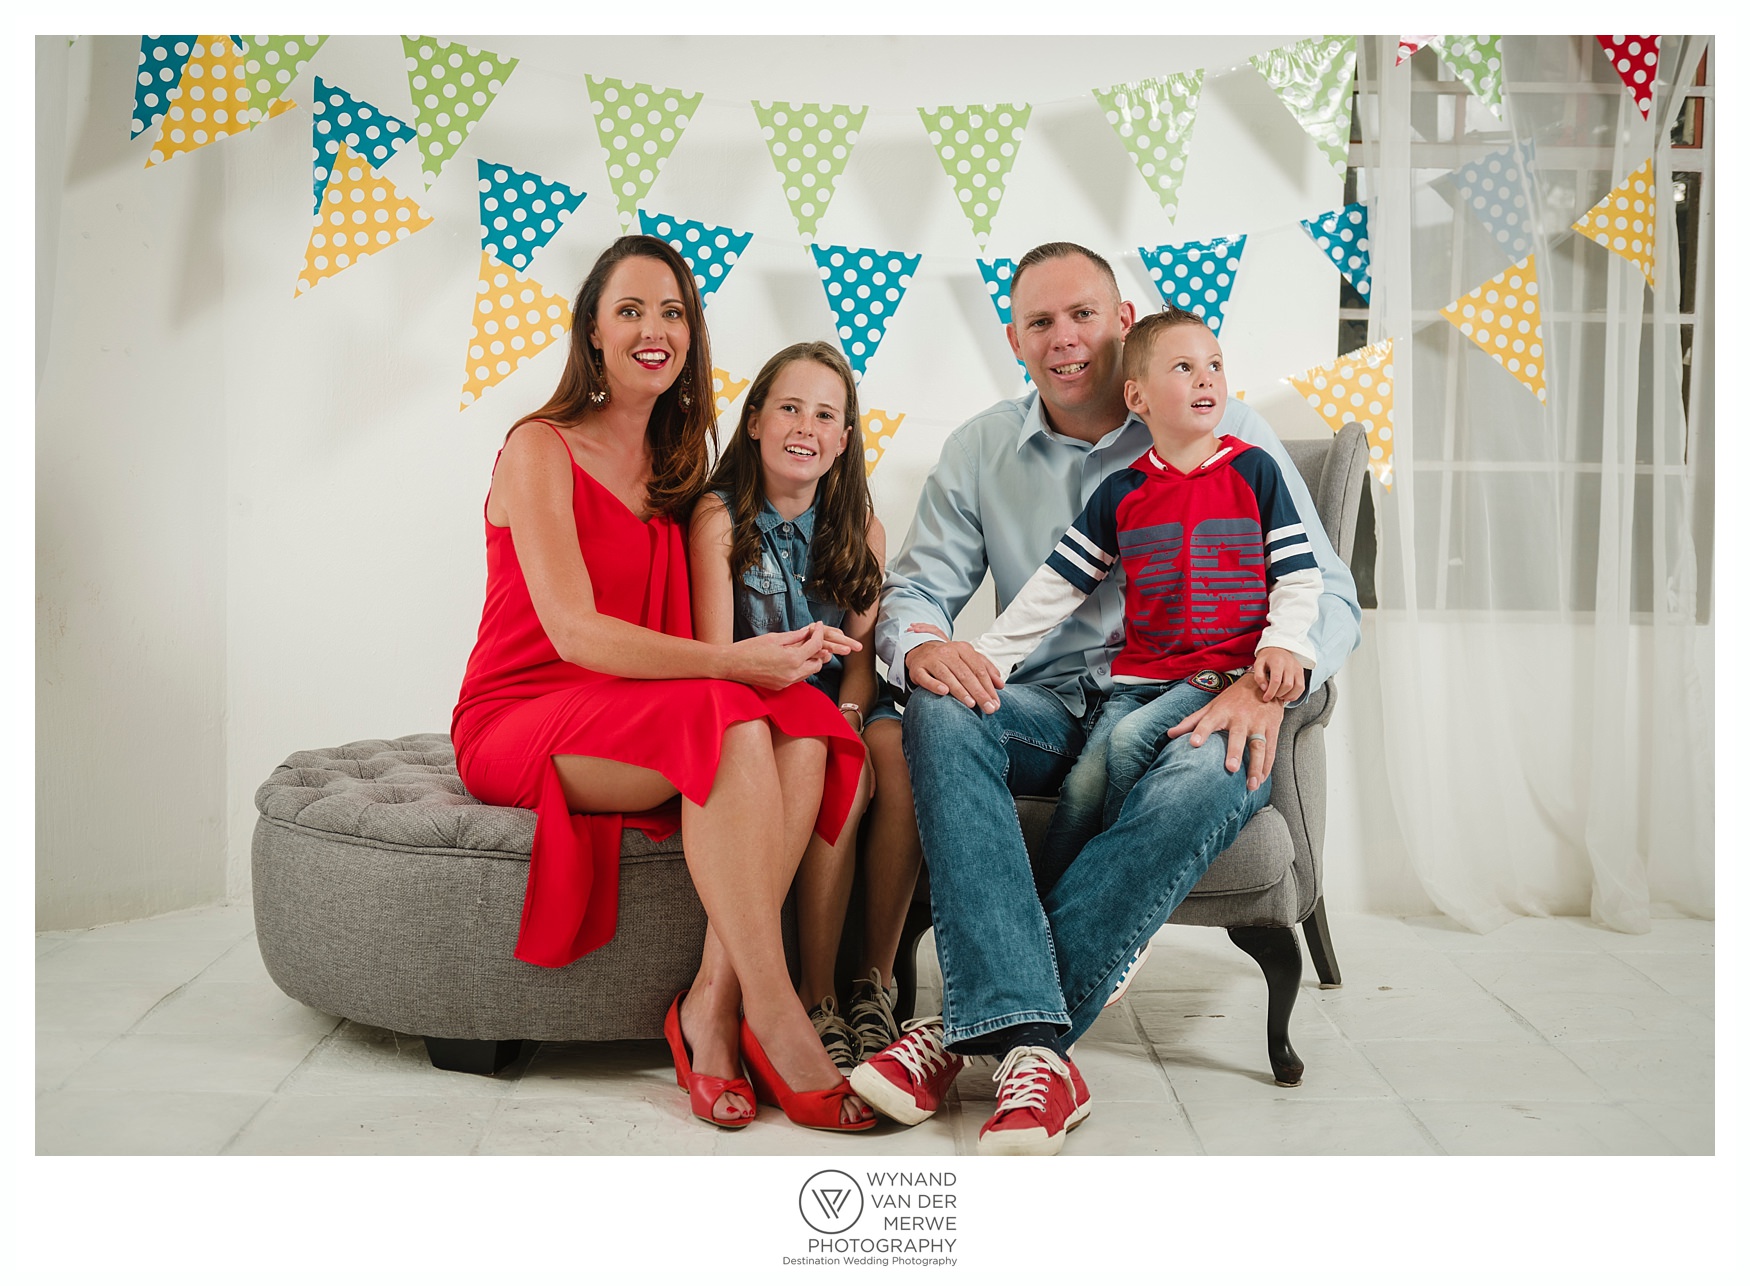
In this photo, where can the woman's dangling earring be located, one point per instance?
(600, 379)
(687, 388)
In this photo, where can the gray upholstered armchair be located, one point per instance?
(1270, 879)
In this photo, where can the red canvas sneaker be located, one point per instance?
(1040, 1098)
(907, 1080)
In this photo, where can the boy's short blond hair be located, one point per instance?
(1139, 343)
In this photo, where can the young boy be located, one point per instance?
(1219, 578)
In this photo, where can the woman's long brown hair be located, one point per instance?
(842, 569)
(680, 437)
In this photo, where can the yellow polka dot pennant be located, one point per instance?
(725, 388)
(1315, 79)
(271, 63)
(361, 213)
(878, 430)
(515, 318)
(452, 86)
(1356, 387)
(212, 100)
(809, 144)
(1623, 222)
(1153, 119)
(1501, 317)
(977, 147)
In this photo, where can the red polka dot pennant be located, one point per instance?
(1636, 59)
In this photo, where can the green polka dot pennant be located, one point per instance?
(452, 87)
(638, 126)
(1475, 60)
(977, 146)
(809, 143)
(1315, 80)
(1153, 119)
(271, 63)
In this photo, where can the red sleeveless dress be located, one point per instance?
(521, 704)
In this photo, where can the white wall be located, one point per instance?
(259, 516)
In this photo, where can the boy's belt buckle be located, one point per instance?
(1210, 680)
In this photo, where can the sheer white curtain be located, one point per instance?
(1547, 687)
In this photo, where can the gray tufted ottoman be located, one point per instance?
(385, 893)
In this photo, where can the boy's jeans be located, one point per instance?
(1008, 955)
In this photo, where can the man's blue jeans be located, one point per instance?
(1008, 955)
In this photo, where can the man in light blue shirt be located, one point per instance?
(1025, 975)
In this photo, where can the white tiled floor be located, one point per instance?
(1547, 1036)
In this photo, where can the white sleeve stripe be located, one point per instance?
(1298, 529)
(1074, 559)
(1290, 551)
(1088, 545)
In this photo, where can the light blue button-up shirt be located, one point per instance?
(1004, 491)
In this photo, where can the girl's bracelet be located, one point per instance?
(851, 707)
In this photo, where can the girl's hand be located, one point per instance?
(776, 661)
(1279, 673)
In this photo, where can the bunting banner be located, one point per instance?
(337, 117)
(162, 59)
(710, 252)
(1636, 59)
(452, 87)
(864, 288)
(520, 212)
(1623, 222)
(977, 147)
(1476, 61)
(1197, 276)
(638, 126)
(1501, 318)
(1497, 189)
(1342, 235)
(809, 144)
(515, 317)
(1153, 119)
(272, 63)
(725, 388)
(1357, 386)
(211, 100)
(1408, 45)
(878, 430)
(361, 213)
(1315, 79)
(996, 274)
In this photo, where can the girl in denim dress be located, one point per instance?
(785, 537)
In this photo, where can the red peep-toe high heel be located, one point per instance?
(703, 1091)
(817, 1109)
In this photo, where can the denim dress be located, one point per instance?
(771, 596)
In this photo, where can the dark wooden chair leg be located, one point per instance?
(905, 963)
(1318, 946)
(481, 1057)
(1278, 955)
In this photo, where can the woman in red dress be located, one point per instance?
(587, 694)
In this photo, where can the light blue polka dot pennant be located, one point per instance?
(997, 274)
(710, 252)
(1495, 188)
(162, 59)
(1342, 235)
(1198, 276)
(864, 288)
(520, 212)
(336, 115)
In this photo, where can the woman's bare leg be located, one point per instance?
(823, 894)
(892, 854)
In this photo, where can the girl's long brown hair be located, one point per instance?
(842, 569)
(680, 437)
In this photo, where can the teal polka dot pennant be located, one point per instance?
(520, 212)
(1198, 276)
(337, 117)
(809, 144)
(638, 126)
(1315, 79)
(452, 87)
(1342, 235)
(710, 252)
(997, 274)
(162, 59)
(864, 288)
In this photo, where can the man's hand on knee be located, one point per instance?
(955, 670)
(1249, 721)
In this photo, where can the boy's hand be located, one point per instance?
(1279, 674)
